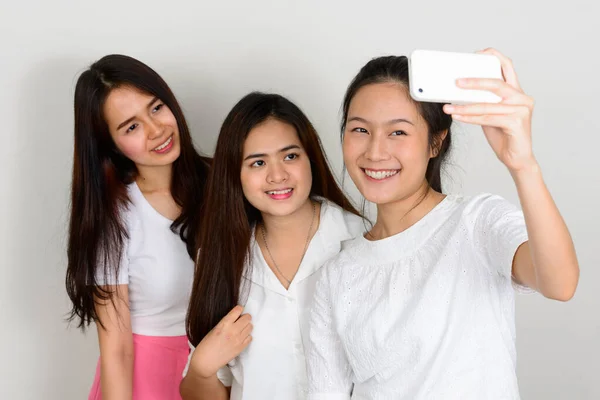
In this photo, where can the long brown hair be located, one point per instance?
(97, 232)
(228, 219)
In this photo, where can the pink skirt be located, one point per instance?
(158, 367)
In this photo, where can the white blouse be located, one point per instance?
(424, 314)
(273, 366)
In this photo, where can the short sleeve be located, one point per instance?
(107, 274)
(225, 376)
(499, 230)
(329, 373)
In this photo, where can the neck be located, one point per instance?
(292, 225)
(155, 179)
(396, 217)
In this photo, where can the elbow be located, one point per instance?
(563, 296)
(127, 354)
(567, 288)
(122, 355)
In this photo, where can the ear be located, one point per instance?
(436, 146)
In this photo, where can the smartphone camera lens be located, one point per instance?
(420, 90)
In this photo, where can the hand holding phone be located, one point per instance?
(506, 125)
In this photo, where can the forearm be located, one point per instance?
(551, 248)
(195, 387)
(116, 376)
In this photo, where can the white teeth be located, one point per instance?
(165, 144)
(280, 191)
(380, 174)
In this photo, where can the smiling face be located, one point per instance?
(386, 143)
(276, 175)
(142, 127)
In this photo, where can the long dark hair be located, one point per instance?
(101, 173)
(395, 69)
(228, 220)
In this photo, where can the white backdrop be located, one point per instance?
(212, 53)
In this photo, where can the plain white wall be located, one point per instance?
(212, 53)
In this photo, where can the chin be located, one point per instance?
(282, 210)
(379, 197)
(380, 200)
(172, 157)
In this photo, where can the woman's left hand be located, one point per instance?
(506, 125)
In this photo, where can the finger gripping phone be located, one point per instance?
(433, 75)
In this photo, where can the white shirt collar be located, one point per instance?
(333, 229)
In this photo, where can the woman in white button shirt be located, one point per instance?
(274, 216)
(138, 185)
(422, 306)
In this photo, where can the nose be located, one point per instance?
(155, 129)
(277, 173)
(376, 150)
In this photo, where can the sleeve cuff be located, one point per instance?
(225, 376)
(519, 288)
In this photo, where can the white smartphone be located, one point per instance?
(433, 75)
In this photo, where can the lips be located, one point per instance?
(380, 174)
(280, 194)
(165, 146)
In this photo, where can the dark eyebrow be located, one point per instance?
(286, 148)
(122, 124)
(390, 122)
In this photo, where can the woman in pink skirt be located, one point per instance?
(137, 191)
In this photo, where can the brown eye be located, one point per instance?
(131, 128)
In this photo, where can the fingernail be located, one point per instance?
(448, 109)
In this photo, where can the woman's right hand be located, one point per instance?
(222, 344)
